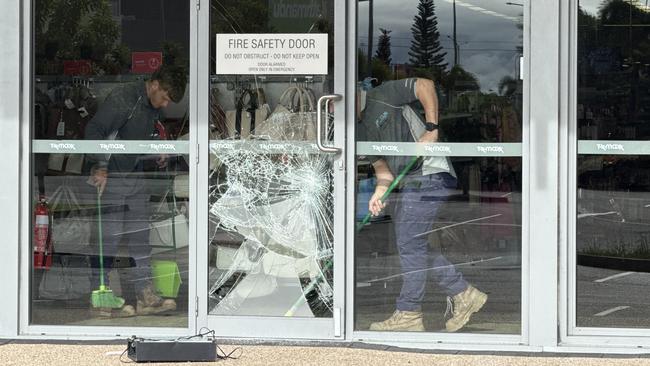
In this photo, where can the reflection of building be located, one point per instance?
(295, 15)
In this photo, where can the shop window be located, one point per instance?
(612, 165)
(109, 186)
(449, 236)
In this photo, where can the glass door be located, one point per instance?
(439, 174)
(109, 205)
(274, 168)
(610, 181)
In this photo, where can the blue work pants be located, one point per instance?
(416, 207)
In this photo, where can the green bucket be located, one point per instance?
(166, 277)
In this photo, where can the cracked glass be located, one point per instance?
(270, 188)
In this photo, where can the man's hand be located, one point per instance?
(99, 178)
(162, 161)
(384, 179)
(375, 205)
(429, 137)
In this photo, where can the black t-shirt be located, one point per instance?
(382, 119)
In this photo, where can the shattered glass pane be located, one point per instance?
(271, 221)
(270, 188)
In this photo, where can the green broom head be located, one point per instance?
(104, 298)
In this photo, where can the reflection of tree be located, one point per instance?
(472, 115)
(425, 51)
(324, 25)
(175, 54)
(613, 71)
(459, 80)
(616, 27)
(613, 99)
(379, 71)
(362, 62)
(77, 29)
(508, 86)
(613, 16)
(383, 53)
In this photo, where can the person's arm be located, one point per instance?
(384, 179)
(425, 91)
(109, 118)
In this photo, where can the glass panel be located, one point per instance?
(270, 199)
(613, 183)
(446, 211)
(109, 167)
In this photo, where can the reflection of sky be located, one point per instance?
(590, 6)
(487, 34)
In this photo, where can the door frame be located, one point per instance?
(331, 328)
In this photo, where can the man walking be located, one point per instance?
(422, 190)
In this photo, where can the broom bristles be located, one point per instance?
(104, 298)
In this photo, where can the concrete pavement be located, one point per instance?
(87, 353)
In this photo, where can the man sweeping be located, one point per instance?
(130, 112)
(423, 187)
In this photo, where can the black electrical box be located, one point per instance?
(145, 350)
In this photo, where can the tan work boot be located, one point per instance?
(150, 303)
(462, 307)
(125, 311)
(401, 321)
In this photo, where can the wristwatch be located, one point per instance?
(431, 126)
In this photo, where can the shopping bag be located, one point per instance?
(182, 185)
(172, 232)
(71, 228)
(251, 110)
(293, 119)
(65, 163)
(56, 162)
(67, 279)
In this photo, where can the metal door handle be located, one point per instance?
(319, 123)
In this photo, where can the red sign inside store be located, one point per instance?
(145, 62)
(77, 67)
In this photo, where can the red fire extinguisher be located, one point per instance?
(42, 243)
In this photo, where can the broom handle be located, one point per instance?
(101, 241)
(365, 220)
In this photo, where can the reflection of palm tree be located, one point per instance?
(507, 86)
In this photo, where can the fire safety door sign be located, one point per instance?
(272, 54)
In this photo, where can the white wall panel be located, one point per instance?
(10, 163)
(543, 68)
